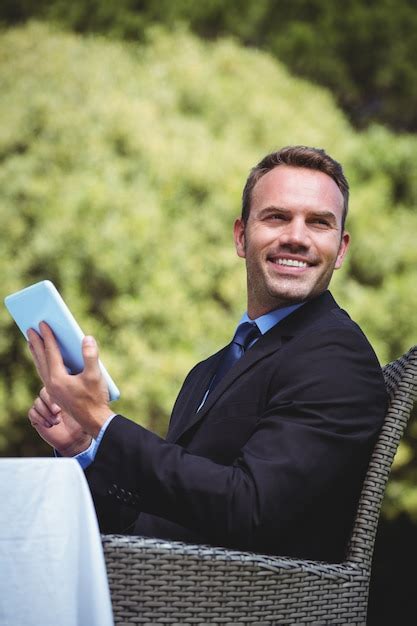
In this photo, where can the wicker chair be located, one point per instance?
(162, 582)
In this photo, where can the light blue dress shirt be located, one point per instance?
(264, 323)
(87, 457)
(267, 321)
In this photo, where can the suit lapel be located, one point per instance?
(263, 347)
(270, 342)
(190, 398)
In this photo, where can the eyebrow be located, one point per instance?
(271, 209)
(328, 215)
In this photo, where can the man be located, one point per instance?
(266, 453)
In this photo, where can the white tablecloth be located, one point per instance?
(52, 570)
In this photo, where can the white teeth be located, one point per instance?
(291, 262)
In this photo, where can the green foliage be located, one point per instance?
(364, 51)
(121, 173)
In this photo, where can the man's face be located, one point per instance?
(293, 238)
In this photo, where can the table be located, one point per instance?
(52, 569)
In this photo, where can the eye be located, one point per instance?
(278, 217)
(321, 222)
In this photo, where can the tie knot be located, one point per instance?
(245, 334)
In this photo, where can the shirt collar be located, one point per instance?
(267, 321)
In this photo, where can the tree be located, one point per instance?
(122, 169)
(363, 51)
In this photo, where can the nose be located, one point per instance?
(295, 234)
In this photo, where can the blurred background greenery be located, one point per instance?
(127, 131)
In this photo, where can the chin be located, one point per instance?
(292, 293)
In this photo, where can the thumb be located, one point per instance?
(90, 356)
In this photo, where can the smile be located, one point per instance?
(290, 262)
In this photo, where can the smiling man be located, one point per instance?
(292, 236)
(269, 438)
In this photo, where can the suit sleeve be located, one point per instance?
(325, 405)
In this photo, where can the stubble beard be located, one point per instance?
(266, 292)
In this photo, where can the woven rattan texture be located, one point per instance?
(161, 582)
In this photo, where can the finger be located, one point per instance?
(37, 350)
(43, 410)
(37, 420)
(90, 356)
(52, 406)
(52, 352)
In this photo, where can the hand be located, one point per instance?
(84, 396)
(57, 427)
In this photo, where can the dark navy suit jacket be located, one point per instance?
(275, 459)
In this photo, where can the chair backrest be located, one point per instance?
(401, 382)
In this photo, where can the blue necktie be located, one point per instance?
(245, 334)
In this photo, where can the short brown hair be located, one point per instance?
(297, 156)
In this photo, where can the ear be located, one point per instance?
(239, 237)
(343, 248)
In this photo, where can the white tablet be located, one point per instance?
(42, 302)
